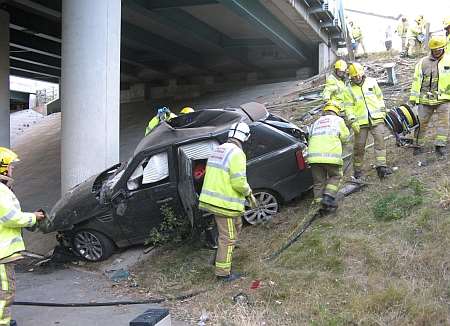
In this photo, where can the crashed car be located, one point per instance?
(120, 206)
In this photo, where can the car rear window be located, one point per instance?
(264, 139)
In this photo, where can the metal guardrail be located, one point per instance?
(46, 95)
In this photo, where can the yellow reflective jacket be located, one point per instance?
(336, 93)
(447, 49)
(327, 135)
(12, 220)
(414, 30)
(402, 29)
(155, 121)
(356, 33)
(431, 83)
(367, 103)
(225, 185)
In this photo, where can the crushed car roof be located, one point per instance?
(200, 123)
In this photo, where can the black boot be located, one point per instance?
(418, 150)
(383, 171)
(329, 203)
(357, 174)
(441, 151)
(12, 323)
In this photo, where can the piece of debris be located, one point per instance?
(241, 298)
(118, 275)
(204, 317)
(256, 284)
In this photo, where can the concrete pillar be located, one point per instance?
(90, 88)
(4, 79)
(324, 57)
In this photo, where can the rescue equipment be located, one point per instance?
(402, 120)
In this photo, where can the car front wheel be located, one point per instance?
(268, 206)
(92, 245)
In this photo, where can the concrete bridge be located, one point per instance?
(99, 51)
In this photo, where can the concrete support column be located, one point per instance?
(324, 57)
(90, 88)
(4, 80)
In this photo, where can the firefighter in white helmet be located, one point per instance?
(224, 193)
(12, 220)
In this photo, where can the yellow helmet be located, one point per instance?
(340, 65)
(355, 69)
(437, 42)
(419, 18)
(446, 22)
(331, 107)
(186, 110)
(7, 157)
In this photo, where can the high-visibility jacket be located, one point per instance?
(414, 30)
(402, 29)
(447, 49)
(336, 93)
(12, 220)
(367, 103)
(431, 83)
(225, 185)
(356, 33)
(327, 135)
(155, 121)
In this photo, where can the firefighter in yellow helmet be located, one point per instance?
(368, 112)
(223, 194)
(186, 110)
(163, 114)
(431, 91)
(415, 36)
(12, 220)
(336, 91)
(327, 135)
(447, 33)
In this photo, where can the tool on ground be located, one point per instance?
(401, 121)
(315, 215)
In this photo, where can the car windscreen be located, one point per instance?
(263, 140)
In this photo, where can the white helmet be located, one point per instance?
(240, 131)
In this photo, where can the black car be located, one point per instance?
(120, 206)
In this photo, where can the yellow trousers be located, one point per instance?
(425, 113)
(229, 229)
(7, 292)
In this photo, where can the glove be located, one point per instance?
(252, 201)
(162, 111)
(355, 127)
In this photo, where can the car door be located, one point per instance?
(151, 187)
(186, 188)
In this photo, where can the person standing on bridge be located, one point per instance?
(223, 194)
(431, 91)
(368, 111)
(12, 220)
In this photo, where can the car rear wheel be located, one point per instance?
(268, 206)
(92, 245)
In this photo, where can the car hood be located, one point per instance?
(78, 204)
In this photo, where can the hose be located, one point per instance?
(105, 304)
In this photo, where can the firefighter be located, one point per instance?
(327, 135)
(223, 194)
(186, 110)
(415, 37)
(357, 37)
(336, 90)
(431, 91)
(12, 220)
(367, 113)
(163, 114)
(402, 30)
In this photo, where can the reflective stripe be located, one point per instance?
(223, 265)
(439, 137)
(7, 243)
(328, 132)
(331, 187)
(4, 278)
(238, 175)
(218, 166)
(220, 196)
(8, 216)
(3, 321)
(324, 155)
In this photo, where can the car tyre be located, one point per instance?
(268, 207)
(92, 245)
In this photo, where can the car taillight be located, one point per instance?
(301, 163)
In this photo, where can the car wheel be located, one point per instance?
(92, 245)
(268, 206)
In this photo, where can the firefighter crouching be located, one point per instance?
(223, 194)
(327, 135)
(366, 113)
(431, 90)
(12, 220)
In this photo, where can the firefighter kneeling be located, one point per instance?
(327, 135)
(224, 192)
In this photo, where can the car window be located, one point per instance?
(263, 139)
(150, 171)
